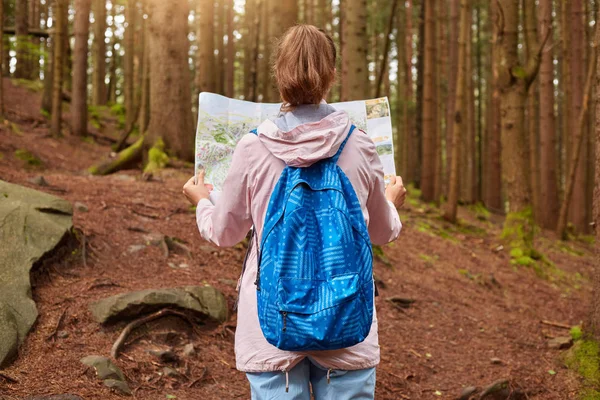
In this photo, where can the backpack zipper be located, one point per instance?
(284, 314)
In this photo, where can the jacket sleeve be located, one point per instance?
(384, 221)
(227, 222)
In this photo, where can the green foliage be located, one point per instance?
(519, 229)
(45, 114)
(94, 116)
(569, 250)
(118, 110)
(519, 72)
(481, 213)
(576, 333)
(15, 129)
(88, 139)
(429, 260)
(379, 254)
(29, 158)
(31, 85)
(584, 358)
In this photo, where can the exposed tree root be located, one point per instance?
(126, 157)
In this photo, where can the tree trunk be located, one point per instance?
(287, 15)
(22, 33)
(452, 73)
(265, 62)
(355, 42)
(80, 55)
(400, 157)
(111, 90)
(386, 49)
(170, 112)
(468, 144)
(205, 59)
(34, 24)
(220, 46)
(60, 15)
(595, 314)
(450, 207)
(255, 49)
(548, 157)
(410, 131)
(1, 62)
(429, 130)
(578, 141)
(514, 81)
(128, 81)
(418, 132)
(48, 75)
(250, 11)
(144, 117)
(99, 53)
(230, 70)
(493, 181)
(442, 98)
(577, 211)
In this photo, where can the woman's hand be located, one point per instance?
(395, 191)
(195, 192)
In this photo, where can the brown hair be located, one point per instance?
(304, 65)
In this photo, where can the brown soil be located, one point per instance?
(471, 304)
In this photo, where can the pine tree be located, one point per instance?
(99, 53)
(60, 15)
(287, 15)
(595, 314)
(22, 31)
(1, 62)
(128, 82)
(80, 55)
(230, 69)
(205, 58)
(355, 42)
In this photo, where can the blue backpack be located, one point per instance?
(315, 264)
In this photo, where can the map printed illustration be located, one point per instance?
(223, 121)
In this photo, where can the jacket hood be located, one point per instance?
(305, 135)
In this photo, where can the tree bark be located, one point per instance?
(266, 82)
(548, 156)
(578, 141)
(441, 66)
(410, 132)
(205, 59)
(468, 144)
(99, 53)
(34, 24)
(48, 75)
(220, 46)
(60, 15)
(144, 114)
(80, 56)
(400, 156)
(1, 62)
(230, 70)
(170, 112)
(287, 15)
(128, 81)
(250, 11)
(255, 49)
(386, 49)
(452, 73)
(22, 32)
(429, 130)
(577, 211)
(458, 121)
(355, 42)
(595, 312)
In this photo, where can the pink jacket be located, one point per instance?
(256, 166)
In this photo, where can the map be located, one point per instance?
(223, 121)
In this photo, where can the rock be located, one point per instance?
(38, 180)
(33, 224)
(467, 393)
(205, 300)
(119, 386)
(81, 207)
(502, 390)
(171, 372)
(124, 178)
(189, 350)
(62, 334)
(134, 248)
(495, 361)
(561, 343)
(164, 355)
(105, 368)
(55, 397)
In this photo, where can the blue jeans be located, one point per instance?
(326, 385)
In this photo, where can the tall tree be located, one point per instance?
(400, 155)
(128, 82)
(548, 155)
(205, 58)
(170, 112)
(266, 42)
(230, 69)
(249, 38)
(80, 56)
(60, 15)
(441, 95)
(355, 42)
(578, 141)
(22, 31)
(595, 314)
(411, 133)
(467, 164)
(99, 53)
(220, 46)
(287, 16)
(577, 211)
(450, 208)
(514, 81)
(1, 62)
(144, 114)
(429, 151)
(453, 32)
(384, 70)
(493, 170)
(34, 24)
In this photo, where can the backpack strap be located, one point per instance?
(336, 156)
(254, 131)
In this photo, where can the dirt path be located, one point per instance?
(471, 305)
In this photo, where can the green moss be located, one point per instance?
(569, 250)
(584, 358)
(379, 255)
(519, 229)
(118, 110)
(589, 239)
(124, 156)
(29, 158)
(15, 129)
(430, 260)
(157, 158)
(34, 86)
(45, 113)
(481, 213)
(576, 333)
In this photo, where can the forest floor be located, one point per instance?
(476, 318)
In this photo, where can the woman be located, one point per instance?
(307, 131)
